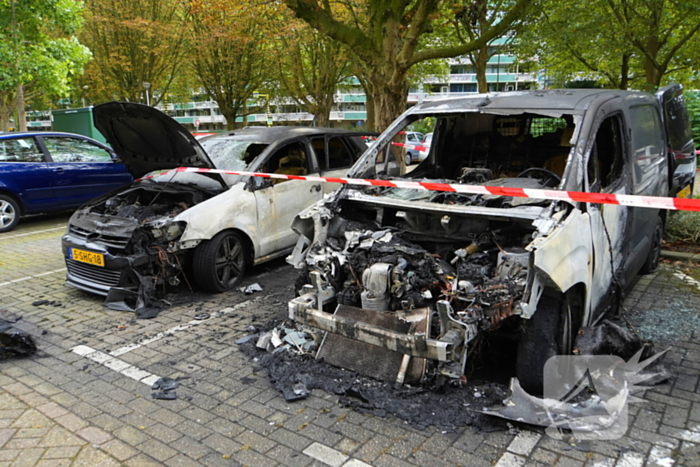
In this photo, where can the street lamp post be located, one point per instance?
(147, 86)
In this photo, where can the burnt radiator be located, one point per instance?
(371, 360)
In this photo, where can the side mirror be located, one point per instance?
(262, 183)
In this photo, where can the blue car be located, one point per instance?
(43, 172)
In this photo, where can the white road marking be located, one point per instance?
(686, 278)
(2, 284)
(179, 327)
(511, 460)
(326, 455)
(32, 233)
(120, 366)
(524, 443)
(660, 457)
(521, 447)
(630, 459)
(356, 463)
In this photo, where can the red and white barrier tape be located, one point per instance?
(411, 146)
(681, 204)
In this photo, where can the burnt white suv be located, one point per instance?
(421, 275)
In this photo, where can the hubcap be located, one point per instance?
(7, 213)
(229, 261)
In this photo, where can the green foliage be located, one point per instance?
(639, 44)
(683, 226)
(38, 49)
(692, 99)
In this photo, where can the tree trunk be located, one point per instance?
(21, 114)
(7, 107)
(388, 101)
(624, 72)
(652, 73)
(480, 64)
(322, 111)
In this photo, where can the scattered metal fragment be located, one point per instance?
(165, 384)
(202, 316)
(167, 388)
(55, 303)
(251, 289)
(248, 338)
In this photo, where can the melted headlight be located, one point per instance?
(168, 232)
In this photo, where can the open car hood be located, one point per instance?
(146, 139)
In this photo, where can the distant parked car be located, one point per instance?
(43, 172)
(205, 228)
(413, 138)
(427, 141)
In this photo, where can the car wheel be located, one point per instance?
(551, 331)
(651, 264)
(408, 159)
(220, 263)
(9, 213)
(537, 345)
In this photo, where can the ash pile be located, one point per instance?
(286, 353)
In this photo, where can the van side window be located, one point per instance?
(647, 139)
(607, 155)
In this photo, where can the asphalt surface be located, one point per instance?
(84, 398)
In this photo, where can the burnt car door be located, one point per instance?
(607, 153)
(278, 201)
(681, 148)
(649, 168)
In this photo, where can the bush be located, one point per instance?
(683, 226)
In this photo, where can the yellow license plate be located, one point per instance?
(89, 257)
(684, 193)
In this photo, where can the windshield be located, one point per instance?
(231, 153)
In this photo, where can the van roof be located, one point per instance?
(564, 100)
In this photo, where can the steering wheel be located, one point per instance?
(550, 176)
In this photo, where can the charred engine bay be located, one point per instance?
(381, 259)
(152, 203)
(137, 224)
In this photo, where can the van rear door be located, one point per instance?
(679, 140)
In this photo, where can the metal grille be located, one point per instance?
(366, 359)
(91, 273)
(106, 240)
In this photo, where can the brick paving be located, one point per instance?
(63, 408)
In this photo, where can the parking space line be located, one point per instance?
(32, 233)
(180, 327)
(14, 281)
(518, 449)
(120, 366)
(687, 279)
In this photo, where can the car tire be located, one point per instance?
(408, 159)
(9, 213)
(220, 263)
(651, 264)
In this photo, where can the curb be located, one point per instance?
(680, 256)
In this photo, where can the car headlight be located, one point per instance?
(168, 232)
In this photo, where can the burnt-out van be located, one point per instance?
(406, 281)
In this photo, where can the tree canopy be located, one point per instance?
(39, 52)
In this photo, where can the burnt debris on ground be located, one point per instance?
(13, 342)
(286, 352)
(295, 373)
